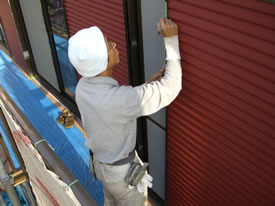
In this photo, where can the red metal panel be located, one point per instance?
(108, 15)
(221, 128)
(10, 32)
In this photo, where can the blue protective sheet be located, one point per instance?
(42, 113)
(9, 146)
(21, 198)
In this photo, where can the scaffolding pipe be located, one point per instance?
(6, 185)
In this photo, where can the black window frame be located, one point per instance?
(62, 96)
(3, 35)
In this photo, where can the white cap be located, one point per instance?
(87, 52)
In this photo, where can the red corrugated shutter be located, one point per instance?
(108, 15)
(221, 128)
(10, 32)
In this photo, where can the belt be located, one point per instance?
(123, 161)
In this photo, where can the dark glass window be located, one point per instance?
(270, 1)
(57, 18)
(3, 40)
(56, 15)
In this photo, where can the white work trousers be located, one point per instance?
(116, 191)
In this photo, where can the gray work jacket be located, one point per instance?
(109, 111)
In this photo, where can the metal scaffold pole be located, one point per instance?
(6, 185)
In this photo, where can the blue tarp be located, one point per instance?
(9, 146)
(42, 113)
(20, 196)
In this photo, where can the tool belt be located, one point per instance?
(123, 161)
(136, 173)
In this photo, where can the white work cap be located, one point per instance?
(87, 52)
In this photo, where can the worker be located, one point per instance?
(109, 111)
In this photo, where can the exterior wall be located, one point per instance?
(108, 15)
(221, 130)
(10, 32)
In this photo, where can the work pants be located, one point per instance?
(116, 191)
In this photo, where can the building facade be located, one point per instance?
(214, 145)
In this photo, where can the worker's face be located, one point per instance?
(113, 54)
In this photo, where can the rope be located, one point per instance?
(42, 140)
(69, 186)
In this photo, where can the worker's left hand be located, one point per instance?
(158, 75)
(145, 182)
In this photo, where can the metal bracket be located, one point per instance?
(26, 54)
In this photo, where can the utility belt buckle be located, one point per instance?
(136, 173)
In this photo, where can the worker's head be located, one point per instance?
(91, 53)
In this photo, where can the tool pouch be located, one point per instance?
(135, 173)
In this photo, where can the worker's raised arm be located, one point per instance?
(151, 97)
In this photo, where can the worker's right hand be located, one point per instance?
(145, 182)
(167, 27)
(158, 75)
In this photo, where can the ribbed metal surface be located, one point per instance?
(108, 15)
(10, 32)
(221, 128)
